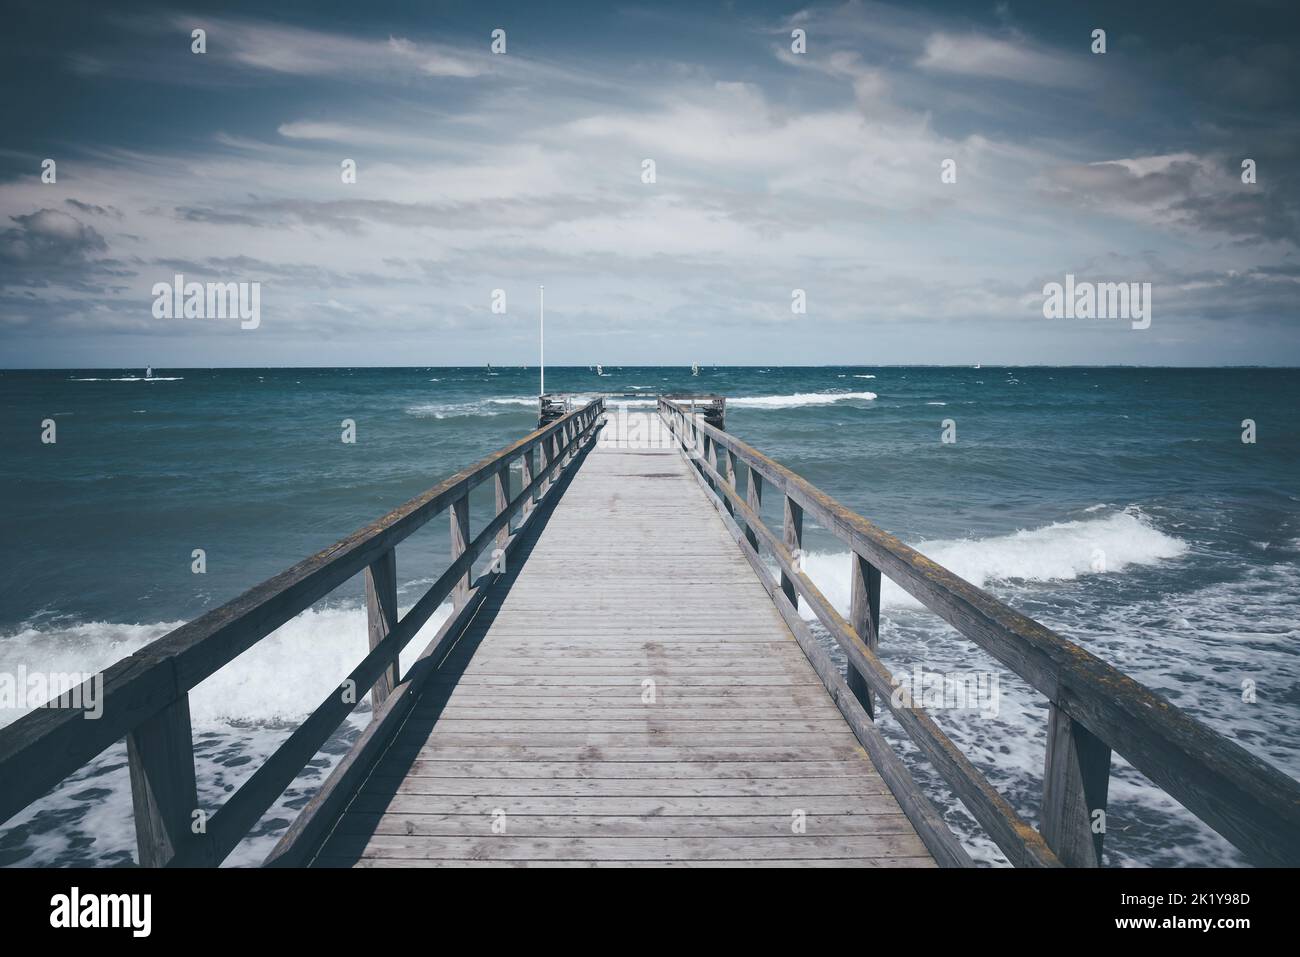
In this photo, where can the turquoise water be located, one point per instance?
(1118, 506)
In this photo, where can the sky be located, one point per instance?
(775, 170)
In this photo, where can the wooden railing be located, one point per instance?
(145, 696)
(1093, 708)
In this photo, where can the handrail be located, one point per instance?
(1094, 708)
(145, 696)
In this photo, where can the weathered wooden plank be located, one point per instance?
(846, 862)
(795, 788)
(506, 847)
(598, 805)
(612, 825)
(1075, 783)
(458, 515)
(160, 755)
(864, 617)
(851, 767)
(680, 755)
(381, 616)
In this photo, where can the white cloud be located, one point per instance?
(974, 54)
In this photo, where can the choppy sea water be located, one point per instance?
(1118, 506)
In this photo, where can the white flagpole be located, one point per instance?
(541, 329)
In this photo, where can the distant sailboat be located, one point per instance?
(148, 372)
(695, 368)
(600, 370)
(978, 366)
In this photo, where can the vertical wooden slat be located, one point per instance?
(754, 499)
(501, 484)
(459, 515)
(792, 537)
(160, 756)
(543, 460)
(527, 479)
(729, 471)
(381, 615)
(1075, 785)
(864, 618)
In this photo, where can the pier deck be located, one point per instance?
(625, 677)
(545, 725)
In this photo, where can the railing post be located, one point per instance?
(543, 460)
(381, 616)
(754, 499)
(528, 460)
(501, 483)
(1075, 783)
(459, 515)
(729, 472)
(864, 618)
(160, 756)
(792, 536)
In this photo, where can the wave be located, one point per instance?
(509, 405)
(798, 399)
(864, 377)
(278, 681)
(1062, 551)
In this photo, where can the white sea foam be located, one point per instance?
(864, 377)
(505, 405)
(279, 680)
(798, 399)
(1062, 551)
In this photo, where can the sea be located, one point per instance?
(1152, 515)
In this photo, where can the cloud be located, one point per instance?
(985, 56)
(49, 237)
(1182, 190)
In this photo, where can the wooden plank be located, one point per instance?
(864, 617)
(160, 755)
(381, 617)
(458, 515)
(846, 862)
(792, 535)
(599, 805)
(506, 847)
(1075, 783)
(850, 767)
(625, 825)
(795, 788)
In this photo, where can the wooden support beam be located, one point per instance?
(381, 616)
(754, 499)
(1075, 785)
(160, 756)
(459, 516)
(528, 460)
(864, 618)
(501, 486)
(792, 536)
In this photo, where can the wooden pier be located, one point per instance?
(624, 681)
